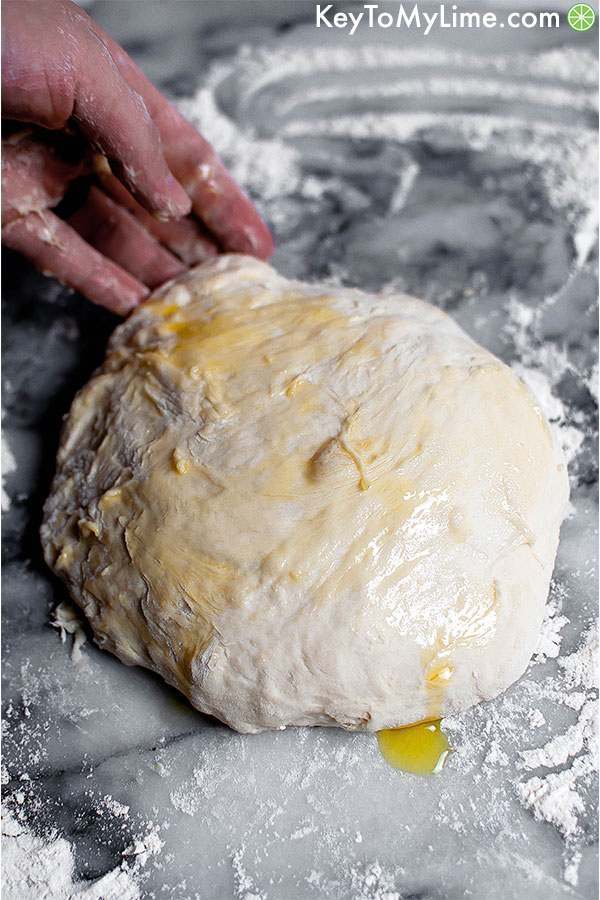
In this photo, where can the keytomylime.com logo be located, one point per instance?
(581, 17)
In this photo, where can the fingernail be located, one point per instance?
(176, 202)
(254, 241)
(128, 300)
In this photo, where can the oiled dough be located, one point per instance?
(307, 505)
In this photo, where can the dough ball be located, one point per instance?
(307, 505)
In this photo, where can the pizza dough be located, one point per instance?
(307, 505)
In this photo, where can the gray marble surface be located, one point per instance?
(458, 167)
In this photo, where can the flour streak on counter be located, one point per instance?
(284, 95)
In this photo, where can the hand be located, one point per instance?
(90, 111)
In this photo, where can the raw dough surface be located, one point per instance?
(307, 505)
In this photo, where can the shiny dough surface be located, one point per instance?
(304, 504)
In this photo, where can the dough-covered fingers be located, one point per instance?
(55, 248)
(80, 93)
(186, 238)
(36, 172)
(218, 201)
(118, 235)
(115, 119)
(71, 78)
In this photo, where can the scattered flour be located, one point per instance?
(566, 155)
(144, 848)
(580, 669)
(373, 881)
(244, 886)
(536, 719)
(268, 168)
(302, 832)
(550, 639)
(564, 746)
(9, 465)
(35, 868)
(120, 810)
(555, 770)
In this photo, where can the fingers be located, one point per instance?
(115, 119)
(186, 238)
(37, 168)
(80, 76)
(36, 173)
(55, 248)
(70, 77)
(116, 234)
(218, 201)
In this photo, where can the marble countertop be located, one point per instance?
(459, 167)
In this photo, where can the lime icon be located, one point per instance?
(581, 17)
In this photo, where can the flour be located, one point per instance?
(581, 668)
(373, 881)
(554, 770)
(9, 465)
(302, 832)
(548, 646)
(34, 868)
(145, 847)
(566, 156)
(119, 810)
(43, 868)
(265, 167)
(558, 750)
(244, 886)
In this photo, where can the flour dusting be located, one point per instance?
(35, 868)
(9, 465)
